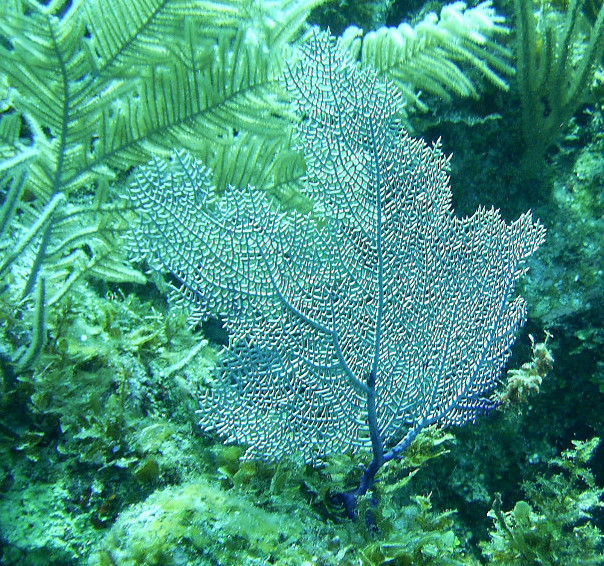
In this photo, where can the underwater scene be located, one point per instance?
(301, 282)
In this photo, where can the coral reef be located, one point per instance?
(101, 461)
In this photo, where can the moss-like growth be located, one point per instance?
(201, 524)
(526, 381)
(421, 537)
(554, 527)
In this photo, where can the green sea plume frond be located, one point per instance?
(100, 86)
(89, 89)
(442, 55)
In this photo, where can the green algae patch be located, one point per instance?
(201, 524)
(38, 528)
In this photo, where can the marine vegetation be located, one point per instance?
(535, 532)
(101, 458)
(557, 57)
(357, 326)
